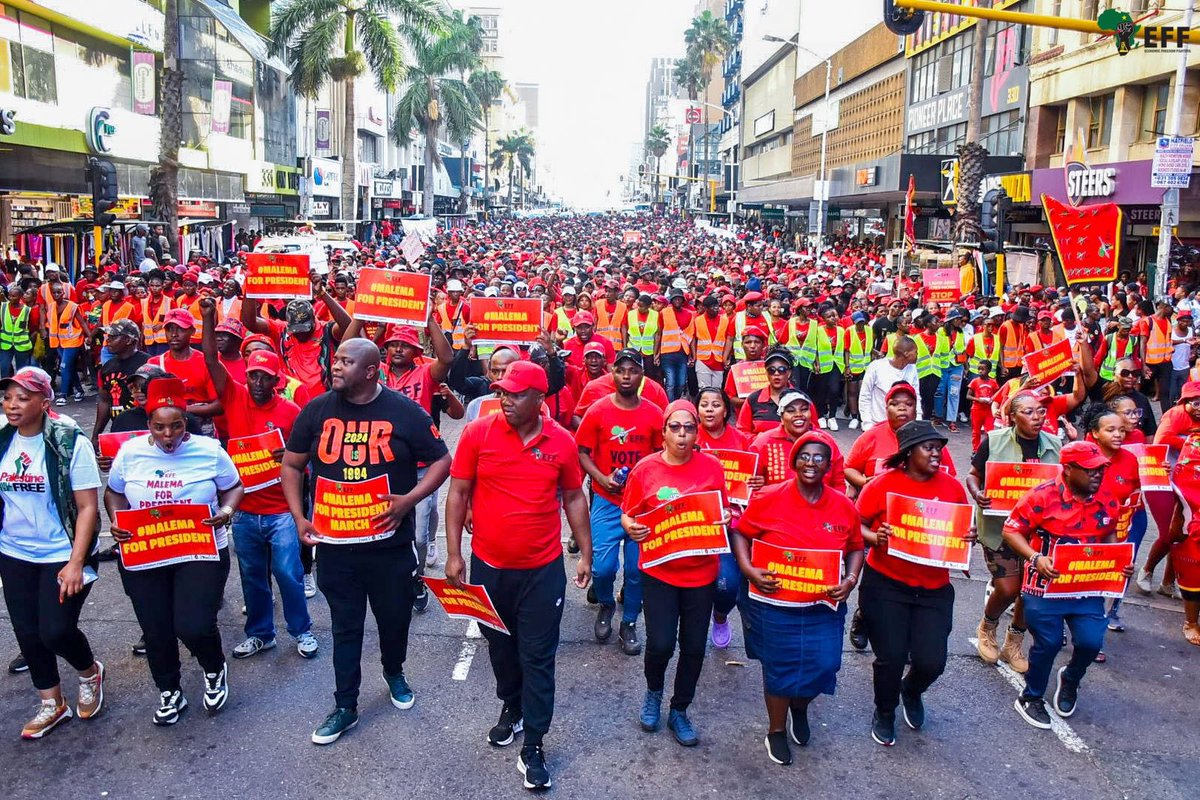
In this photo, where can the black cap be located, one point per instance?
(629, 354)
(911, 434)
(779, 354)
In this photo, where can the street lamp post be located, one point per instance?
(823, 188)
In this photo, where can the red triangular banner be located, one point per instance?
(1088, 239)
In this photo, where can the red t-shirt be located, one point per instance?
(774, 447)
(197, 385)
(618, 437)
(301, 359)
(731, 439)
(779, 515)
(515, 496)
(416, 384)
(878, 444)
(236, 367)
(653, 482)
(244, 417)
(605, 385)
(983, 388)
(872, 507)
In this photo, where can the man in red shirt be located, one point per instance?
(264, 532)
(521, 467)
(584, 323)
(187, 364)
(616, 432)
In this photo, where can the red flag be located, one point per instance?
(910, 219)
(1088, 239)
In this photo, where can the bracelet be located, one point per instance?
(853, 578)
(227, 511)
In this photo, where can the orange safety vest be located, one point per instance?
(149, 335)
(234, 312)
(106, 316)
(708, 346)
(609, 325)
(193, 308)
(673, 337)
(1158, 347)
(65, 331)
(453, 327)
(1056, 336)
(1014, 344)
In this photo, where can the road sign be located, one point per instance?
(1156, 230)
(693, 115)
(1172, 166)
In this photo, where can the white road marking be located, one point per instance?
(466, 655)
(1065, 733)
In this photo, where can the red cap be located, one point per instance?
(753, 297)
(681, 405)
(593, 347)
(31, 379)
(522, 375)
(583, 318)
(1045, 315)
(181, 317)
(231, 326)
(1084, 454)
(163, 393)
(897, 388)
(1190, 390)
(811, 436)
(264, 361)
(404, 334)
(755, 330)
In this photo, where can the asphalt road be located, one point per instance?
(1133, 736)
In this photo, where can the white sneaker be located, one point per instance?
(854, 424)
(833, 424)
(310, 586)
(306, 645)
(822, 423)
(1143, 582)
(431, 555)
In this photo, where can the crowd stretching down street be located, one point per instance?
(676, 398)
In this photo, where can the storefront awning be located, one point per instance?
(790, 191)
(247, 37)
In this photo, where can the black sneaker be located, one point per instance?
(504, 731)
(777, 748)
(1066, 696)
(216, 690)
(883, 728)
(914, 710)
(629, 639)
(603, 627)
(858, 631)
(338, 722)
(18, 665)
(798, 726)
(421, 601)
(170, 706)
(532, 765)
(139, 647)
(1033, 710)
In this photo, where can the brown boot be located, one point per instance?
(1011, 652)
(985, 635)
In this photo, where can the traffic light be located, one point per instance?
(102, 176)
(901, 21)
(993, 213)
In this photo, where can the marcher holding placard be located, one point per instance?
(362, 431)
(761, 409)
(866, 456)
(908, 607)
(749, 347)
(178, 602)
(48, 546)
(677, 594)
(1072, 509)
(800, 648)
(522, 467)
(264, 533)
(773, 446)
(1024, 442)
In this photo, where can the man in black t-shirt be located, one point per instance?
(123, 338)
(364, 442)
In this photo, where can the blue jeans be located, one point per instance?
(729, 583)
(1045, 617)
(674, 367)
(949, 388)
(66, 370)
(9, 358)
(608, 539)
(267, 545)
(427, 523)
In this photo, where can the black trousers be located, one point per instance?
(928, 386)
(45, 629)
(673, 614)
(350, 577)
(179, 603)
(826, 391)
(530, 602)
(905, 622)
(802, 378)
(1160, 374)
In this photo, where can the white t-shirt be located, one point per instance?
(195, 473)
(33, 529)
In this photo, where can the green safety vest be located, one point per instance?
(564, 322)
(829, 353)
(860, 352)
(14, 333)
(739, 325)
(945, 354)
(926, 364)
(1108, 368)
(980, 354)
(641, 337)
(805, 352)
(1004, 448)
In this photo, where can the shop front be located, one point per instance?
(273, 194)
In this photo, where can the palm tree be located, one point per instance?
(708, 40)
(972, 155)
(472, 27)
(688, 76)
(657, 142)
(337, 41)
(513, 151)
(164, 177)
(488, 85)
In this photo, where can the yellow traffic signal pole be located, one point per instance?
(98, 239)
(1020, 17)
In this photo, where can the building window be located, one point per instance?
(1100, 117)
(1002, 133)
(368, 148)
(950, 137)
(31, 56)
(920, 143)
(1060, 129)
(1154, 110)
(1052, 33)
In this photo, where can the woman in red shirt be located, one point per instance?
(1180, 429)
(773, 446)
(800, 647)
(873, 447)
(908, 608)
(760, 412)
(677, 596)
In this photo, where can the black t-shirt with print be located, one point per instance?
(114, 380)
(348, 442)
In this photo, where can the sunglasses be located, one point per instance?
(778, 370)
(816, 459)
(684, 427)
(1127, 373)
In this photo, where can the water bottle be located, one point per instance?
(619, 476)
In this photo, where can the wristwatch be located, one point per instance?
(227, 512)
